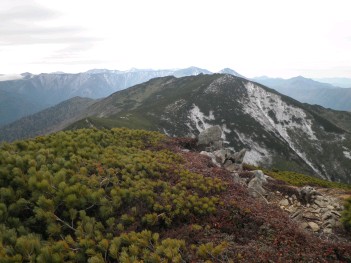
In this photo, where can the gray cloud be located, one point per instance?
(27, 13)
(69, 61)
(72, 51)
(73, 54)
(26, 23)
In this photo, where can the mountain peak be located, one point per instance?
(231, 72)
(100, 71)
(299, 77)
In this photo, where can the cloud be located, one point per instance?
(72, 52)
(33, 37)
(69, 61)
(27, 13)
(27, 23)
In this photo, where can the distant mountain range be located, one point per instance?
(338, 82)
(31, 93)
(276, 130)
(311, 91)
(25, 94)
(50, 120)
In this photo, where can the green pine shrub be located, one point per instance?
(97, 196)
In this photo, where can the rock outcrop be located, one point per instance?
(211, 139)
(314, 211)
(256, 184)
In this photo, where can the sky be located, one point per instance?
(276, 38)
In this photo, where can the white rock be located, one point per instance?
(284, 202)
(313, 226)
(304, 225)
(327, 230)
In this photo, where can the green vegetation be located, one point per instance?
(100, 196)
(346, 215)
(132, 121)
(298, 179)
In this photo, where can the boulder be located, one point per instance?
(321, 201)
(327, 231)
(284, 202)
(310, 215)
(212, 156)
(237, 157)
(327, 215)
(238, 179)
(304, 225)
(255, 186)
(222, 155)
(233, 167)
(296, 215)
(231, 161)
(336, 213)
(307, 194)
(211, 138)
(260, 175)
(314, 227)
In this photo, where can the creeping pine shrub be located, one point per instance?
(346, 215)
(95, 195)
(209, 251)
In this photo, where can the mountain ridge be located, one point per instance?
(310, 91)
(50, 120)
(278, 131)
(48, 89)
(250, 115)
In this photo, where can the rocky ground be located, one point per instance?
(315, 209)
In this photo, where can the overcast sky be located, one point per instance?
(278, 38)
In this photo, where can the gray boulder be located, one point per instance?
(211, 138)
(260, 175)
(238, 157)
(233, 161)
(213, 158)
(222, 155)
(307, 194)
(255, 186)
